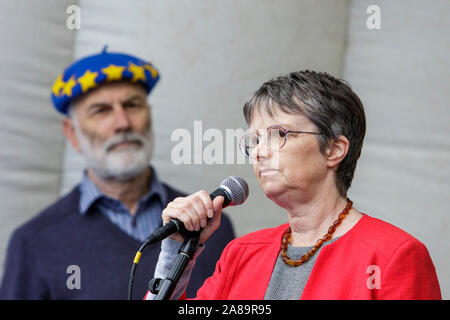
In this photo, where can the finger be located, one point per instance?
(208, 205)
(217, 204)
(190, 212)
(174, 211)
(214, 222)
(179, 199)
(199, 209)
(170, 213)
(189, 206)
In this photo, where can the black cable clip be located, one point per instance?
(153, 285)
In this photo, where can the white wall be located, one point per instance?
(35, 46)
(212, 55)
(401, 73)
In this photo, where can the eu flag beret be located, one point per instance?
(91, 71)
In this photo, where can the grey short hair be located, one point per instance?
(327, 102)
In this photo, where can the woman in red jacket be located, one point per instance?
(306, 134)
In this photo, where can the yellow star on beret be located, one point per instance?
(67, 89)
(58, 85)
(152, 70)
(113, 72)
(87, 80)
(137, 71)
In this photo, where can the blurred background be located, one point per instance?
(212, 55)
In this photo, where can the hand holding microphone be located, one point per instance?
(202, 211)
(196, 212)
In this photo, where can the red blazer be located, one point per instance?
(373, 260)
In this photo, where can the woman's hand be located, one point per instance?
(196, 211)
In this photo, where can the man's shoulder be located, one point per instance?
(172, 192)
(51, 216)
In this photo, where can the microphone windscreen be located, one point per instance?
(238, 189)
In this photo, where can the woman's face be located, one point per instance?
(295, 170)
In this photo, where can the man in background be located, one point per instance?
(82, 246)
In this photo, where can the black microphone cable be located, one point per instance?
(169, 228)
(137, 257)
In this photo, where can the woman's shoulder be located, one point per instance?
(381, 235)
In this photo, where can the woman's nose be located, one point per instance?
(261, 151)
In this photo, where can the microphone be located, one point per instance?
(235, 192)
(233, 189)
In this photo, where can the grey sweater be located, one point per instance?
(287, 282)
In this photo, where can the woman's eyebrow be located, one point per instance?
(284, 125)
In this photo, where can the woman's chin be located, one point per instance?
(271, 188)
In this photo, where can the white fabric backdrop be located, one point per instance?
(212, 55)
(401, 73)
(35, 46)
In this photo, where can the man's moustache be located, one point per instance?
(109, 145)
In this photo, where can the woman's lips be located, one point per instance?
(267, 171)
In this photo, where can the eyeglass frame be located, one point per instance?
(287, 132)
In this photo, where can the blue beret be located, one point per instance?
(91, 71)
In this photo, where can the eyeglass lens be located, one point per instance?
(275, 139)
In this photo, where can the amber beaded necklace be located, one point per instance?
(287, 238)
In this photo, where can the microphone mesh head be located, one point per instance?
(239, 189)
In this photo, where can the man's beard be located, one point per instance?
(123, 164)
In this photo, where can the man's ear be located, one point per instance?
(337, 150)
(69, 132)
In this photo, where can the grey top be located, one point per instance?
(287, 282)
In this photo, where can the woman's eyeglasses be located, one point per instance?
(275, 138)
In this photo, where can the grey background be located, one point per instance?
(212, 55)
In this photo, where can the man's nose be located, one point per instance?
(121, 119)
